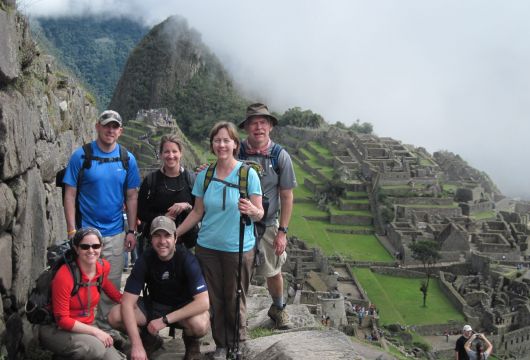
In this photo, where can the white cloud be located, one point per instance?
(440, 74)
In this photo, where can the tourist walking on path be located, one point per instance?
(96, 187)
(278, 184)
(478, 353)
(220, 207)
(167, 191)
(460, 351)
(177, 295)
(74, 335)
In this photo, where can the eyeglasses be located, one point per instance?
(88, 246)
(222, 141)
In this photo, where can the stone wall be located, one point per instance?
(44, 115)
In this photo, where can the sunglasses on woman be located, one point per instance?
(88, 246)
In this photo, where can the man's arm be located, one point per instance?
(132, 207)
(286, 209)
(199, 305)
(128, 303)
(70, 193)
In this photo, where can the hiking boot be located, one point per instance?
(151, 342)
(193, 347)
(219, 354)
(280, 317)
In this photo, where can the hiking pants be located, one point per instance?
(113, 248)
(220, 272)
(71, 345)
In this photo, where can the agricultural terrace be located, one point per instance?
(311, 224)
(399, 299)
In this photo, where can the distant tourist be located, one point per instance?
(460, 351)
(478, 353)
(167, 191)
(96, 187)
(177, 295)
(278, 184)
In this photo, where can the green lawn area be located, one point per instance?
(320, 149)
(336, 211)
(400, 300)
(484, 215)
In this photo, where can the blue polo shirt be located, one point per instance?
(101, 197)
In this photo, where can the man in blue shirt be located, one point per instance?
(178, 295)
(105, 187)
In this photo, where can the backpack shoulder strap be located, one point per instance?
(99, 283)
(76, 275)
(242, 151)
(187, 177)
(243, 180)
(87, 162)
(209, 176)
(152, 181)
(124, 157)
(275, 155)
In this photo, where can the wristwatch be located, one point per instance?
(165, 320)
(283, 229)
(132, 232)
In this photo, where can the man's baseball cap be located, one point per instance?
(108, 116)
(258, 109)
(467, 328)
(163, 223)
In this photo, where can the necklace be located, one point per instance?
(170, 189)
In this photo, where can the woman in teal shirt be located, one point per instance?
(220, 208)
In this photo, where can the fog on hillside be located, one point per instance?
(449, 75)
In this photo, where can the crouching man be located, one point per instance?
(177, 294)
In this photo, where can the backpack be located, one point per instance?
(189, 238)
(273, 156)
(87, 164)
(38, 307)
(259, 226)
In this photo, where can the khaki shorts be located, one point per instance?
(271, 264)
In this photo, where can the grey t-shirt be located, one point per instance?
(272, 182)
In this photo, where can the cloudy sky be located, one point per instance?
(450, 74)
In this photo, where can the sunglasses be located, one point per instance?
(88, 246)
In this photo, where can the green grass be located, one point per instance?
(356, 194)
(483, 215)
(400, 300)
(336, 211)
(320, 149)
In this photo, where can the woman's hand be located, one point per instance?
(105, 338)
(246, 207)
(174, 210)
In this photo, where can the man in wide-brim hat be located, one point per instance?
(278, 184)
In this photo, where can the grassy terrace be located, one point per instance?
(483, 215)
(400, 300)
(336, 211)
(356, 194)
(420, 206)
(320, 149)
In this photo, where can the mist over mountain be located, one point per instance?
(95, 49)
(172, 68)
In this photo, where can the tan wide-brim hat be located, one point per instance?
(258, 109)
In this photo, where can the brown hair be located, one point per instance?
(232, 132)
(81, 233)
(170, 138)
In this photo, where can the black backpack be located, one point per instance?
(273, 156)
(38, 307)
(87, 164)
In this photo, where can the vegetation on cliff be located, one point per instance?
(95, 49)
(171, 68)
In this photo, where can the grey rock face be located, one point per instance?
(8, 206)
(9, 64)
(6, 270)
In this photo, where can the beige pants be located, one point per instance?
(113, 248)
(271, 264)
(71, 345)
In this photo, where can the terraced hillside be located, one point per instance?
(143, 138)
(341, 227)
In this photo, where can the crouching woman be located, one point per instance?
(74, 335)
